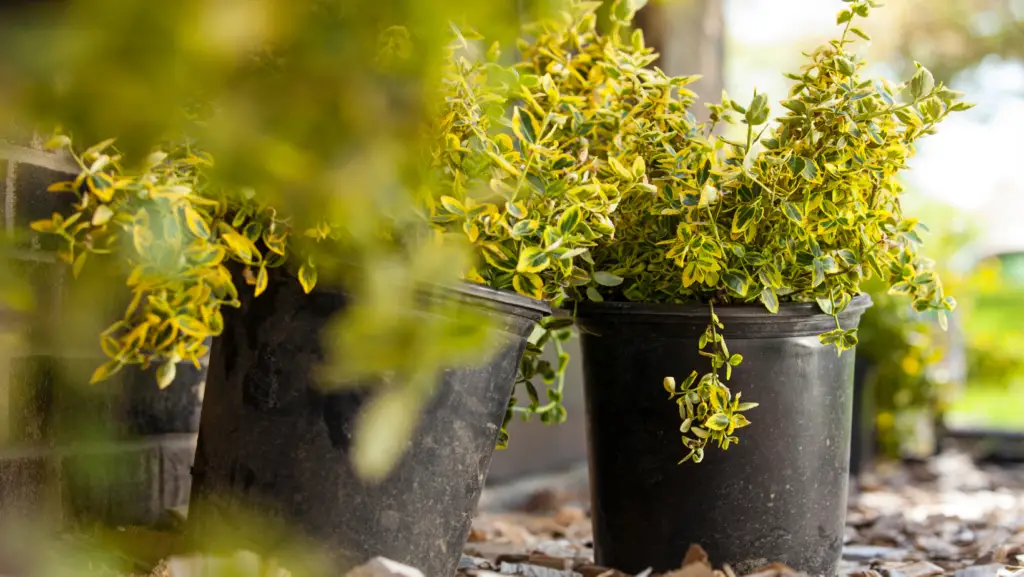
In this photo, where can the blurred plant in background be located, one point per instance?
(917, 372)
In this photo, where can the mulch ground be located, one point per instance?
(947, 516)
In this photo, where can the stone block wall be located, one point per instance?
(119, 451)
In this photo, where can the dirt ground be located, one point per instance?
(946, 516)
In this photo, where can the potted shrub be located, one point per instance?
(202, 263)
(743, 260)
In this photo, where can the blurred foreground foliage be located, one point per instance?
(312, 107)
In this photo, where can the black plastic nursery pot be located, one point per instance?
(863, 440)
(780, 495)
(274, 447)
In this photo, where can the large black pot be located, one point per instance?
(780, 495)
(272, 469)
(863, 440)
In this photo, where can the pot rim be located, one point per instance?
(504, 299)
(746, 312)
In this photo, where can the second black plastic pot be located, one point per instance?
(272, 469)
(863, 439)
(780, 495)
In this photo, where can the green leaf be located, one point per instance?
(770, 300)
(922, 83)
(523, 125)
(532, 259)
(792, 211)
(516, 209)
(165, 374)
(736, 281)
(569, 220)
(860, 33)
(757, 112)
(453, 206)
(717, 422)
(809, 170)
(818, 273)
(607, 279)
(825, 304)
(844, 17)
(307, 276)
(593, 295)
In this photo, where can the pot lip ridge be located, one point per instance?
(750, 313)
(501, 299)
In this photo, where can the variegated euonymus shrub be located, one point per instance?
(176, 234)
(803, 210)
(590, 179)
(521, 162)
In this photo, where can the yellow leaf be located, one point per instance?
(240, 246)
(191, 326)
(532, 259)
(452, 205)
(102, 215)
(46, 226)
(105, 371)
(261, 281)
(528, 284)
(492, 260)
(275, 244)
(472, 231)
(474, 276)
(135, 276)
(109, 346)
(307, 276)
(196, 224)
(506, 165)
(65, 186)
(165, 374)
(58, 141)
(383, 430)
(76, 269)
(167, 334)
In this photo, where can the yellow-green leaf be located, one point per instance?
(45, 226)
(105, 371)
(453, 206)
(76, 269)
(528, 284)
(532, 259)
(261, 281)
(717, 422)
(196, 224)
(102, 215)
(307, 276)
(191, 326)
(165, 374)
(240, 246)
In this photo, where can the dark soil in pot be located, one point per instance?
(272, 469)
(780, 495)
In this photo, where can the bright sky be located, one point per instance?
(974, 162)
